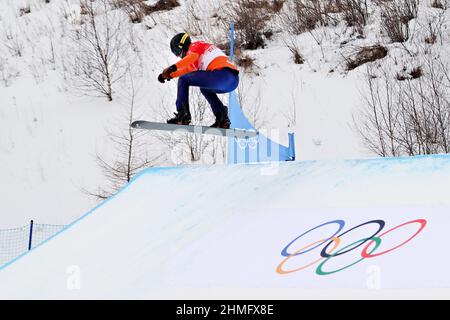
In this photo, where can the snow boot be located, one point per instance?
(182, 117)
(222, 120)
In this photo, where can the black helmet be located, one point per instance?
(180, 44)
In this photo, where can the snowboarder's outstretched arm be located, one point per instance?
(185, 65)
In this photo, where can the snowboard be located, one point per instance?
(232, 132)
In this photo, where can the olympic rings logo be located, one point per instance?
(331, 245)
(251, 143)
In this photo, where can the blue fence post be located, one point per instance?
(232, 42)
(266, 150)
(292, 146)
(30, 239)
(232, 147)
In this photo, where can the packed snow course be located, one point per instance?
(307, 229)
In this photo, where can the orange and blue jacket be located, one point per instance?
(203, 56)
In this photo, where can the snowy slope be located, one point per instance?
(49, 130)
(50, 135)
(220, 231)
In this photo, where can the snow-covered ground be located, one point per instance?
(236, 238)
(50, 134)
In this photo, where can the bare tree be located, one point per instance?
(101, 53)
(290, 111)
(133, 8)
(254, 110)
(379, 119)
(304, 15)
(251, 18)
(440, 4)
(408, 117)
(435, 28)
(131, 150)
(291, 43)
(187, 147)
(218, 150)
(12, 39)
(197, 143)
(193, 23)
(8, 72)
(355, 13)
(395, 17)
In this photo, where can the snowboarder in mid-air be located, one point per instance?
(205, 66)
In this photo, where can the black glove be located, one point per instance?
(161, 78)
(165, 75)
